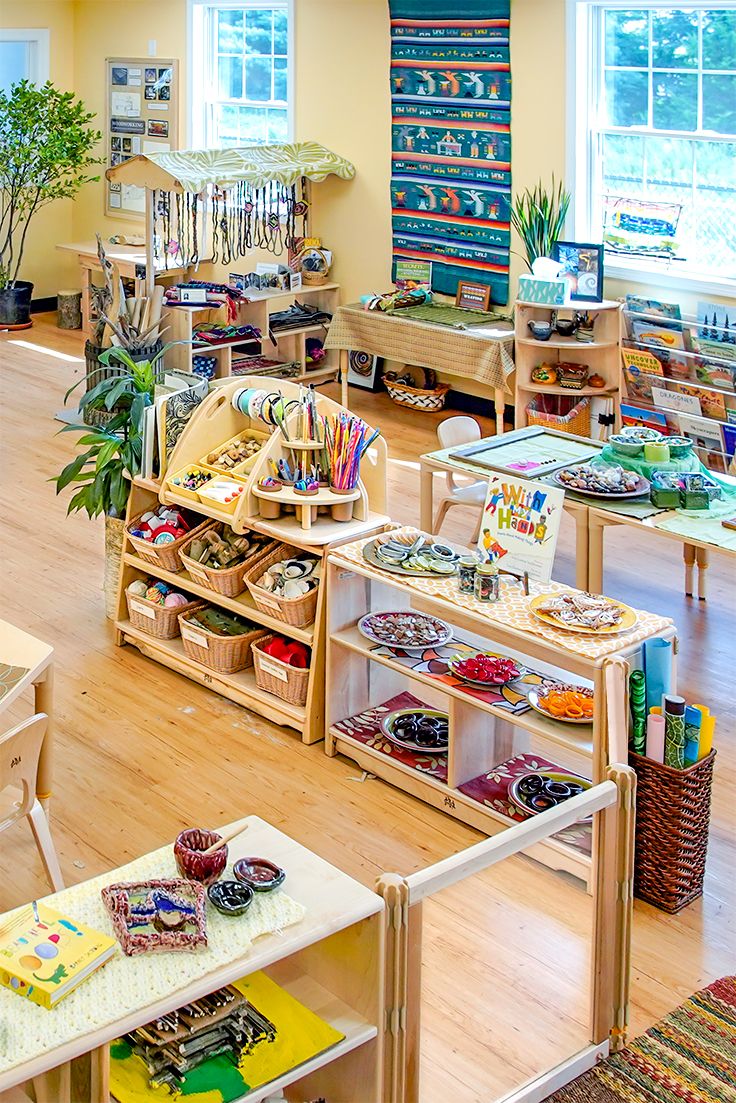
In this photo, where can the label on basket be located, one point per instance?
(194, 636)
(144, 610)
(271, 668)
(269, 602)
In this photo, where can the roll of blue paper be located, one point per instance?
(658, 670)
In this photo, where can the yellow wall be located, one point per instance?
(47, 269)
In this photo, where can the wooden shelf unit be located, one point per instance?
(602, 355)
(290, 344)
(482, 735)
(215, 422)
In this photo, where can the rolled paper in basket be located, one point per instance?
(706, 736)
(637, 702)
(674, 731)
(693, 720)
(655, 737)
(658, 667)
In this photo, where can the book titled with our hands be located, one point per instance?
(45, 955)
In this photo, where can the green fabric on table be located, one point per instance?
(701, 525)
(629, 507)
(445, 314)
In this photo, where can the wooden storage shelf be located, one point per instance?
(542, 388)
(565, 343)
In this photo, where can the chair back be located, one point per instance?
(451, 433)
(19, 752)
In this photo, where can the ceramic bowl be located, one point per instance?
(626, 446)
(259, 874)
(679, 447)
(192, 863)
(565, 326)
(541, 331)
(230, 897)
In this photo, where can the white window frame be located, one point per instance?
(585, 67)
(199, 52)
(39, 39)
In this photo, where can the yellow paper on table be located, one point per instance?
(300, 1036)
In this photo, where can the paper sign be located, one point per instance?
(133, 198)
(673, 400)
(156, 147)
(520, 525)
(194, 636)
(157, 106)
(114, 199)
(413, 273)
(144, 610)
(273, 669)
(127, 126)
(127, 104)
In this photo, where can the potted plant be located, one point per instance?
(538, 218)
(45, 149)
(111, 453)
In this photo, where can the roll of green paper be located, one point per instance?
(674, 731)
(638, 705)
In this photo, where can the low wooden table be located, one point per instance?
(26, 661)
(331, 960)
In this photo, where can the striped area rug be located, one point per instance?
(687, 1057)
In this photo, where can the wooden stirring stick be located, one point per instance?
(238, 829)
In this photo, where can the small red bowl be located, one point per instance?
(192, 863)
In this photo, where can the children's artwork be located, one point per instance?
(126, 104)
(640, 227)
(640, 368)
(520, 525)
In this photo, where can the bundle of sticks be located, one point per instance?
(132, 322)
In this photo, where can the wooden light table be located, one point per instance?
(332, 961)
(20, 649)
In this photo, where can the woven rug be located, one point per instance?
(451, 140)
(687, 1057)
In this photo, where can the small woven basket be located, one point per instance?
(296, 611)
(228, 581)
(154, 619)
(223, 654)
(417, 398)
(672, 821)
(561, 412)
(290, 683)
(165, 556)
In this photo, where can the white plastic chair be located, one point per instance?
(452, 432)
(19, 751)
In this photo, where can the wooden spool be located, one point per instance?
(69, 310)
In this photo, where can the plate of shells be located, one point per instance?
(575, 611)
(291, 578)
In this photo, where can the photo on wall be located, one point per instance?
(582, 268)
(151, 76)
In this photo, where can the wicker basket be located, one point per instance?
(672, 821)
(154, 619)
(417, 398)
(96, 372)
(224, 654)
(563, 412)
(165, 556)
(228, 581)
(290, 683)
(296, 611)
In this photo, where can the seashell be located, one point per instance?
(295, 570)
(268, 582)
(295, 587)
(276, 570)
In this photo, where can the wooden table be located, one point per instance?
(20, 649)
(131, 264)
(442, 460)
(331, 960)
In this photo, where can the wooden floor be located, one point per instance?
(142, 752)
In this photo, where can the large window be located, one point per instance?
(656, 135)
(24, 55)
(241, 70)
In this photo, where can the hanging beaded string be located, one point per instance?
(165, 207)
(194, 259)
(290, 219)
(215, 224)
(248, 214)
(180, 255)
(227, 252)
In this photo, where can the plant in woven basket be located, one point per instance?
(538, 217)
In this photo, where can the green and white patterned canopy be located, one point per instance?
(256, 165)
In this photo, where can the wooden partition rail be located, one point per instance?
(612, 805)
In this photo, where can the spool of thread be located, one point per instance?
(655, 737)
(656, 453)
(638, 705)
(693, 720)
(674, 731)
(707, 729)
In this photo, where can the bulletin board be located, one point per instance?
(142, 97)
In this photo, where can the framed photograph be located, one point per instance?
(363, 370)
(582, 268)
(149, 92)
(115, 145)
(164, 92)
(119, 75)
(127, 147)
(164, 75)
(472, 296)
(158, 128)
(151, 76)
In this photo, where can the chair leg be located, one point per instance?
(441, 514)
(476, 530)
(45, 844)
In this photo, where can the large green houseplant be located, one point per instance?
(46, 146)
(110, 455)
(538, 216)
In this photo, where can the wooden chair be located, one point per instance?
(452, 432)
(20, 749)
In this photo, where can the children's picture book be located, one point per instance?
(520, 525)
(707, 438)
(665, 344)
(712, 404)
(717, 324)
(716, 373)
(296, 1035)
(650, 419)
(44, 955)
(652, 308)
(641, 367)
(411, 274)
(728, 433)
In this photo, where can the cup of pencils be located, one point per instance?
(347, 438)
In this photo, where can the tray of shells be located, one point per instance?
(285, 584)
(597, 481)
(405, 630)
(581, 612)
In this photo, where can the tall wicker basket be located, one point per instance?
(672, 821)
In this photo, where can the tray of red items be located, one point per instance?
(281, 667)
(485, 668)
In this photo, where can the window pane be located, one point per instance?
(280, 32)
(669, 162)
(627, 97)
(227, 125)
(675, 101)
(627, 37)
(719, 103)
(230, 32)
(623, 164)
(14, 63)
(277, 126)
(675, 39)
(279, 79)
(253, 125)
(719, 40)
(258, 37)
(230, 77)
(258, 79)
(714, 213)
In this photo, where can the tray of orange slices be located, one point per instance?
(571, 704)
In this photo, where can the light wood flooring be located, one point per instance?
(142, 752)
